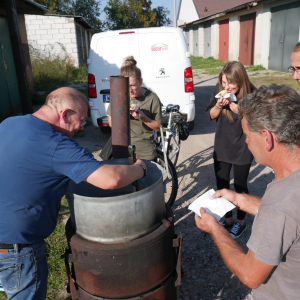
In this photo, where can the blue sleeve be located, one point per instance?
(73, 161)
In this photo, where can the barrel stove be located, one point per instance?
(122, 243)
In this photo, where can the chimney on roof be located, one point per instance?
(205, 9)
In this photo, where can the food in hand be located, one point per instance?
(132, 106)
(223, 93)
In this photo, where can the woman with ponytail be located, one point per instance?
(147, 118)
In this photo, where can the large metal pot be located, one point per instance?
(118, 216)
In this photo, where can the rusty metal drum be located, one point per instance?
(118, 216)
(125, 270)
(165, 291)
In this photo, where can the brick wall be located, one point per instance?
(52, 35)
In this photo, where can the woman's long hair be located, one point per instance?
(129, 68)
(235, 72)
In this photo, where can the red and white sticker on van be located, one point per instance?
(159, 47)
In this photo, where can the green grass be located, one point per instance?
(212, 71)
(51, 72)
(255, 68)
(57, 277)
(203, 63)
(283, 79)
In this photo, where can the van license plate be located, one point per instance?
(106, 98)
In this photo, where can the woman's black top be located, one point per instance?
(230, 145)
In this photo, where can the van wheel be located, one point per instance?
(105, 129)
(192, 124)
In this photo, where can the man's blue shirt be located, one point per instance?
(36, 165)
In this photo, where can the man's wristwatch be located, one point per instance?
(144, 169)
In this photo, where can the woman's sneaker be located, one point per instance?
(237, 230)
(227, 226)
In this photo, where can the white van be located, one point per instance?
(161, 54)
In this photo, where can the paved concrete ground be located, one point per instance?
(206, 276)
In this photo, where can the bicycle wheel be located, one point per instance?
(174, 146)
(171, 187)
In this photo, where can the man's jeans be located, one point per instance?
(24, 272)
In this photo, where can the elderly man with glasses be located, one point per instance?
(295, 63)
(38, 160)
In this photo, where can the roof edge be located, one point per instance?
(44, 8)
(79, 19)
(224, 12)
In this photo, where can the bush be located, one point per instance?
(52, 71)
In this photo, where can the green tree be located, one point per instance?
(55, 6)
(88, 9)
(134, 14)
(162, 16)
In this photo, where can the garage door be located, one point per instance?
(247, 37)
(284, 35)
(223, 39)
(207, 40)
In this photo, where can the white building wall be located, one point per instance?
(52, 35)
(266, 30)
(234, 38)
(258, 36)
(187, 12)
(215, 40)
(201, 40)
(191, 34)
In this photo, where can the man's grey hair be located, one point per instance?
(275, 108)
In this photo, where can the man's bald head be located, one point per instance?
(297, 48)
(295, 62)
(66, 97)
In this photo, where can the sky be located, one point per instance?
(169, 4)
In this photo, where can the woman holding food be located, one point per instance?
(147, 117)
(230, 148)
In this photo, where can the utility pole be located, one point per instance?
(15, 38)
(175, 21)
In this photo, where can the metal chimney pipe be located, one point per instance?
(120, 129)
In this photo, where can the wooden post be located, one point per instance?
(15, 37)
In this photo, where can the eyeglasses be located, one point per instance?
(292, 70)
(83, 123)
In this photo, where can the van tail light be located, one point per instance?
(92, 86)
(126, 32)
(188, 80)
